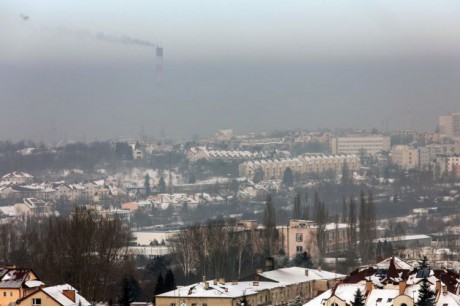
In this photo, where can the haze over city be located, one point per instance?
(250, 66)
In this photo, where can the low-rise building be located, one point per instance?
(276, 287)
(61, 295)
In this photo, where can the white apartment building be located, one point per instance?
(274, 168)
(450, 124)
(356, 144)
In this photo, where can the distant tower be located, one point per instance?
(159, 56)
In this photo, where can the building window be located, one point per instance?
(11, 293)
(36, 301)
(299, 248)
(204, 304)
(298, 237)
(173, 304)
(335, 304)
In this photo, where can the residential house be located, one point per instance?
(61, 295)
(15, 283)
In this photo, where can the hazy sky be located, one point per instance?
(246, 65)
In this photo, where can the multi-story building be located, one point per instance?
(447, 164)
(450, 124)
(300, 236)
(442, 149)
(357, 144)
(317, 163)
(405, 156)
(16, 283)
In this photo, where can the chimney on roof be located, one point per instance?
(11, 266)
(438, 286)
(269, 264)
(402, 286)
(70, 294)
(369, 286)
(206, 285)
(319, 268)
(444, 290)
(234, 282)
(306, 272)
(222, 280)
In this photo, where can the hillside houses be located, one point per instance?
(89, 190)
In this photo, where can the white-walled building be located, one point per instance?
(355, 144)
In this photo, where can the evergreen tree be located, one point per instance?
(359, 299)
(352, 234)
(321, 218)
(160, 285)
(288, 177)
(170, 282)
(296, 212)
(305, 209)
(426, 297)
(345, 174)
(162, 185)
(367, 226)
(148, 190)
(135, 288)
(303, 260)
(344, 210)
(270, 227)
(126, 294)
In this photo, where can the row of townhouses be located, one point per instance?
(310, 163)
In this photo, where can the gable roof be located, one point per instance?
(56, 293)
(14, 278)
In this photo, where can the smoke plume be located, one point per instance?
(103, 37)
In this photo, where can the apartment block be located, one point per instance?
(406, 157)
(370, 144)
(450, 124)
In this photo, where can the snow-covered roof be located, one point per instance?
(294, 275)
(399, 263)
(56, 292)
(222, 290)
(34, 283)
